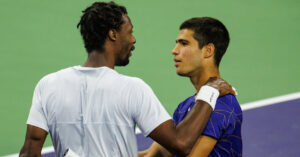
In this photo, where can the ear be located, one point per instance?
(112, 34)
(209, 50)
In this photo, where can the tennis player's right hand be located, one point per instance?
(221, 85)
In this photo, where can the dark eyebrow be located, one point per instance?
(181, 41)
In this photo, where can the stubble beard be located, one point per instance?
(123, 62)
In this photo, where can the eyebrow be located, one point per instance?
(181, 41)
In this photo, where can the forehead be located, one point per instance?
(127, 22)
(186, 34)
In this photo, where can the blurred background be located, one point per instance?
(40, 37)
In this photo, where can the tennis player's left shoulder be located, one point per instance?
(228, 100)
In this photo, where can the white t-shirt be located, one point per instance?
(94, 111)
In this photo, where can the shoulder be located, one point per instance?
(53, 78)
(133, 82)
(225, 117)
(227, 107)
(228, 102)
(47, 79)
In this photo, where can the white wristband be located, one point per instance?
(209, 95)
(70, 153)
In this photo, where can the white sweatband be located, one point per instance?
(70, 153)
(209, 95)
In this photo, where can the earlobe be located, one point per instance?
(209, 50)
(112, 34)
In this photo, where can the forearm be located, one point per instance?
(155, 150)
(188, 131)
(29, 154)
(180, 139)
(30, 149)
(34, 140)
(203, 146)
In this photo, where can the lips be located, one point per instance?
(132, 48)
(177, 61)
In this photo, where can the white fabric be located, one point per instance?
(209, 95)
(94, 111)
(70, 153)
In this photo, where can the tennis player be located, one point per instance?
(200, 45)
(93, 110)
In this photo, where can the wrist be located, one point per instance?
(209, 95)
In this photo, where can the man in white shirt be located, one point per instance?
(93, 110)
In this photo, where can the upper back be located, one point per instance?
(86, 109)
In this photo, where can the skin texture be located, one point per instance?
(193, 62)
(117, 50)
(126, 44)
(198, 65)
(203, 146)
(34, 140)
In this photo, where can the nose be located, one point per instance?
(175, 50)
(134, 40)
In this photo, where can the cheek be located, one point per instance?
(186, 53)
(125, 46)
(127, 43)
(191, 58)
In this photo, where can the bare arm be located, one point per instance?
(181, 138)
(34, 140)
(155, 150)
(203, 146)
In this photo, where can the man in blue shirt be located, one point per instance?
(199, 48)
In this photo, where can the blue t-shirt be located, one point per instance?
(224, 125)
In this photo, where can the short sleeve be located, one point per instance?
(215, 125)
(219, 120)
(176, 114)
(37, 115)
(148, 112)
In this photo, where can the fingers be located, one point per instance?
(223, 86)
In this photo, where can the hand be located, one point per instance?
(221, 85)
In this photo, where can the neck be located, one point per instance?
(199, 79)
(99, 59)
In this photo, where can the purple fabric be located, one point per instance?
(143, 143)
(224, 125)
(270, 131)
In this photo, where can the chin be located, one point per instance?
(180, 73)
(122, 63)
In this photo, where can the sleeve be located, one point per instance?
(148, 111)
(218, 122)
(176, 114)
(37, 115)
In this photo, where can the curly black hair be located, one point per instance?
(209, 30)
(97, 20)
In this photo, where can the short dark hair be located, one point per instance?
(209, 30)
(97, 20)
